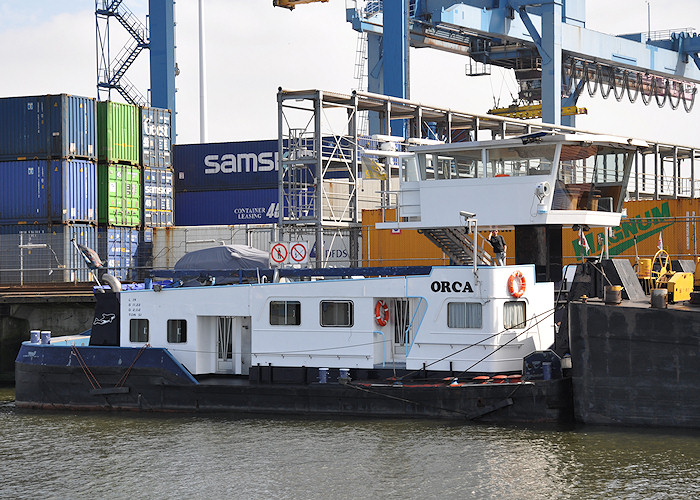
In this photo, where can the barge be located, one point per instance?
(469, 341)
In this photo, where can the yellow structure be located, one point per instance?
(290, 4)
(534, 111)
(679, 285)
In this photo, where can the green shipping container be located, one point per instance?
(119, 195)
(118, 133)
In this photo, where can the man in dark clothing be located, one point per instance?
(499, 247)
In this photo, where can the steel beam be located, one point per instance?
(395, 55)
(575, 40)
(162, 44)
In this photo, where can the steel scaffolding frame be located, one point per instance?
(311, 152)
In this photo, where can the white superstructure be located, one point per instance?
(534, 180)
(455, 318)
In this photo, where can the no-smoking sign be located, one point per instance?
(289, 253)
(299, 252)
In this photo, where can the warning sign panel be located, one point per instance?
(278, 253)
(299, 252)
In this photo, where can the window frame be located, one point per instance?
(183, 324)
(351, 313)
(518, 326)
(464, 302)
(285, 317)
(134, 329)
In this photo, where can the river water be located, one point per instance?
(108, 455)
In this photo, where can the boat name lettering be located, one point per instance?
(242, 162)
(447, 287)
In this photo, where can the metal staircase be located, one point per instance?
(458, 245)
(108, 79)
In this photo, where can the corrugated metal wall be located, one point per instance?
(171, 244)
(155, 138)
(40, 253)
(118, 129)
(119, 195)
(49, 126)
(676, 221)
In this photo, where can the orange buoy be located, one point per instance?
(516, 284)
(381, 313)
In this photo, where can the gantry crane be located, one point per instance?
(546, 42)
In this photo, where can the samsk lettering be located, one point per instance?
(451, 287)
(242, 162)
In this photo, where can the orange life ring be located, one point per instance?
(516, 276)
(381, 313)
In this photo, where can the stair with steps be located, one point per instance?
(458, 245)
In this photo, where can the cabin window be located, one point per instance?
(464, 315)
(514, 314)
(591, 178)
(138, 330)
(285, 312)
(177, 331)
(520, 160)
(336, 313)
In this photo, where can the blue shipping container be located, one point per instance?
(42, 253)
(155, 138)
(119, 247)
(50, 126)
(226, 165)
(48, 191)
(157, 197)
(235, 206)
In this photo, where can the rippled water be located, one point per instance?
(102, 455)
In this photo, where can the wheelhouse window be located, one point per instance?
(514, 314)
(138, 330)
(336, 313)
(520, 160)
(464, 315)
(177, 331)
(591, 177)
(531, 159)
(285, 312)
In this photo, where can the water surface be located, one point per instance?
(125, 455)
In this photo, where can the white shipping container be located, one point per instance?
(170, 244)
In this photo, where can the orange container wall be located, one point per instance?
(638, 233)
(677, 221)
(408, 247)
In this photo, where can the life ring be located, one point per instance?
(381, 313)
(520, 290)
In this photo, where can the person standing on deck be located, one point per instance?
(499, 247)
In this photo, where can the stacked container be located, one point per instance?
(156, 160)
(120, 188)
(48, 148)
(118, 174)
(226, 183)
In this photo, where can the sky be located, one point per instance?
(252, 48)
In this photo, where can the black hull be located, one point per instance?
(634, 365)
(151, 389)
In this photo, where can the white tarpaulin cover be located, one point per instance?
(224, 258)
